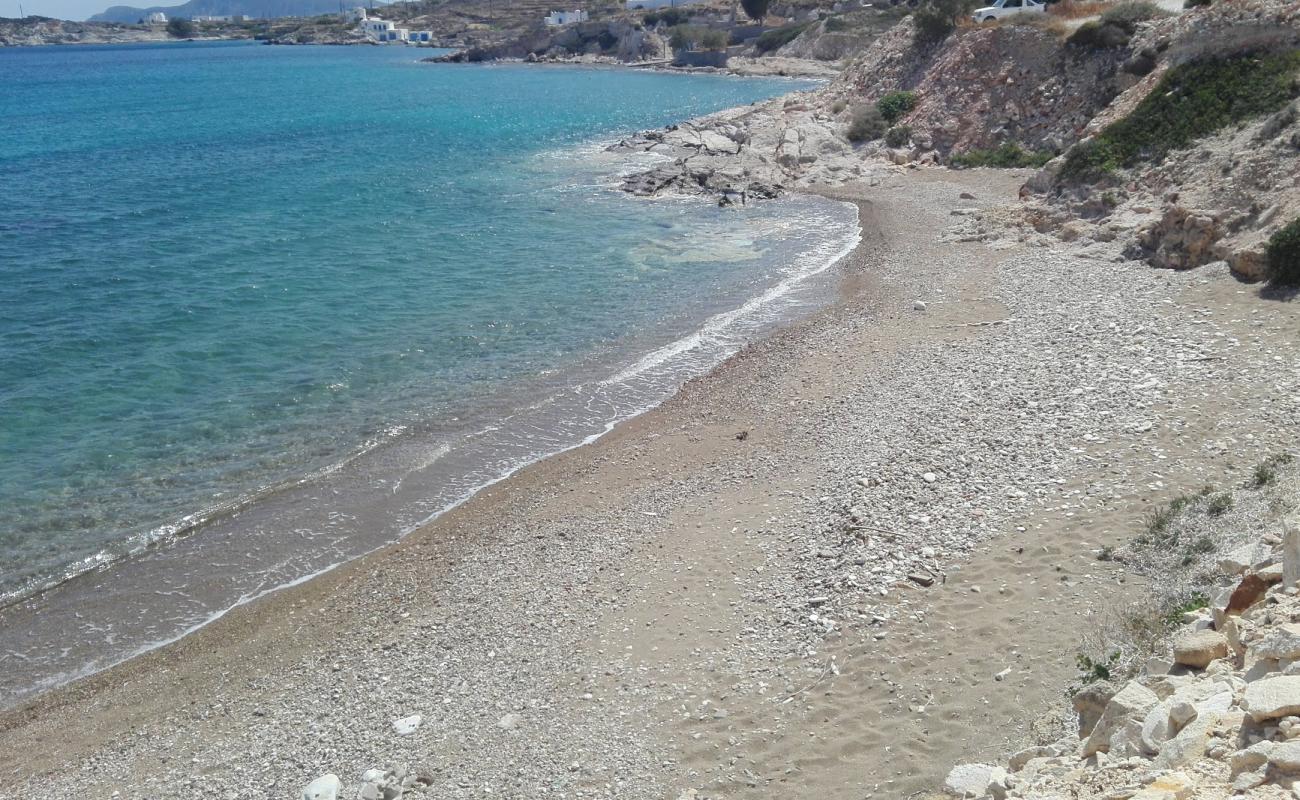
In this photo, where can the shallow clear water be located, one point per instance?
(236, 277)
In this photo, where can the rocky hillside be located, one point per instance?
(1195, 161)
(615, 39)
(1174, 133)
(1216, 711)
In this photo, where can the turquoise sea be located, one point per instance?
(263, 309)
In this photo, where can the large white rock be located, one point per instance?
(326, 787)
(1174, 786)
(1243, 558)
(973, 780)
(1272, 697)
(1198, 649)
(1189, 745)
(1291, 551)
(407, 725)
(1131, 704)
(1280, 643)
(1285, 757)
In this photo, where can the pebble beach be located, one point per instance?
(860, 551)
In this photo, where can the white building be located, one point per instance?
(156, 18)
(382, 30)
(557, 18)
(357, 14)
(420, 37)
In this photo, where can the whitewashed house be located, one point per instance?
(382, 30)
(420, 37)
(156, 18)
(557, 18)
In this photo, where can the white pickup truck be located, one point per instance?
(1008, 8)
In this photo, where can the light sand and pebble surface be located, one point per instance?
(859, 552)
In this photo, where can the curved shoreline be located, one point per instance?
(715, 597)
(753, 313)
(105, 673)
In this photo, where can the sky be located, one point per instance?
(72, 9)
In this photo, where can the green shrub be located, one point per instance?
(1219, 504)
(1265, 473)
(756, 9)
(935, 19)
(777, 38)
(898, 135)
(839, 105)
(668, 16)
(1192, 100)
(1196, 3)
(836, 24)
(1284, 255)
(1008, 155)
(895, 104)
(867, 124)
(1097, 36)
(180, 27)
(1127, 15)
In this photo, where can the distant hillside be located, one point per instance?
(261, 9)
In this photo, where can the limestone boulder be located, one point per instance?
(1272, 697)
(1174, 786)
(1285, 757)
(326, 787)
(1199, 648)
(1131, 704)
(1089, 702)
(973, 780)
(1281, 643)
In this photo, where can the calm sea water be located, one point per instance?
(237, 279)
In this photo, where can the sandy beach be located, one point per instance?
(862, 550)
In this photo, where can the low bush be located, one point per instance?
(668, 16)
(836, 25)
(777, 38)
(1127, 15)
(1098, 36)
(895, 104)
(1196, 3)
(1284, 255)
(181, 28)
(1219, 504)
(935, 19)
(839, 105)
(1006, 156)
(1265, 473)
(1192, 100)
(867, 124)
(898, 135)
